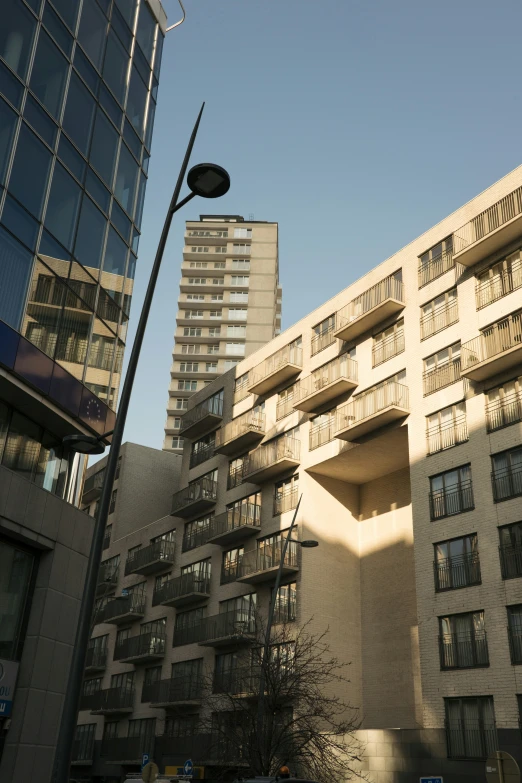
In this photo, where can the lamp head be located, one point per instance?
(309, 544)
(84, 444)
(208, 180)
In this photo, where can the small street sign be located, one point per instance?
(145, 758)
(432, 780)
(188, 767)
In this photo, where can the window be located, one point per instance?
(241, 263)
(470, 727)
(189, 367)
(240, 280)
(187, 385)
(286, 604)
(113, 501)
(192, 331)
(214, 331)
(218, 281)
(235, 349)
(241, 249)
(196, 533)
(507, 474)
(323, 334)
(242, 233)
(16, 36)
(451, 492)
(181, 404)
(176, 424)
(104, 148)
(92, 31)
(220, 264)
(182, 725)
(31, 164)
(49, 74)
(457, 563)
(220, 249)
(236, 331)
(463, 642)
(216, 298)
(388, 343)
(125, 681)
(215, 313)
(511, 550)
(78, 119)
(237, 313)
(213, 348)
(322, 429)
(193, 313)
(235, 473)
(239, 297)
(211, 367)
(83, 748)
(190, 348)
(504, 405)
(442, 368)
(197, 280)
(199, 249)
(142, 729)
(241, 388)
(177, 442)
(115, 67)
(202, 449)
(514, 614)
(499, 280)
(16, 572)
(447, 427)
(187, 625)
(110, 729)
(438, 314)
(151, 677)
(436, 261)
(198, 265)
(285, 401)
(231, 562)
(195, 297)
(92, 686)
(286, 494)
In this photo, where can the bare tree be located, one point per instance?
(302, 723)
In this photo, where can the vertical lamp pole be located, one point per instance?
(210, 181)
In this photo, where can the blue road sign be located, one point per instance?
(188, 767)
(431, 780)
(145, 758)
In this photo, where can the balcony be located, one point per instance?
(325, 384)
(279, 368)
(93, 486)
(145, 648)
(183, 590)
(452, 500)
(439, 319)
(371, 410)
(110, 701)
(126, 750)
(510, 561)
(242, 681)
(124, 609)
(174, 692)
(273, 459)
(83, 750)
(386, 349)
(490, 230)
(107, 578)
(95, 660)
(463, 650)
(262, 564)
(202, 418)
(286, 500)
(198, 497)
(201, 455)
(498, 348)
(507, 482)
(441, 376)
(499, 285)
(471, 739)
(151, 559)
(455, 572)
(503, 411)
(240, 434)
(235, 524)
(322, 340)
(515, 643)
(435, 267)
(227, 628)
(445, 436)
(371, 308)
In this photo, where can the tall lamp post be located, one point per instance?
(209, 181)
(307, 544)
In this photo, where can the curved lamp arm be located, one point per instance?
(180, 21)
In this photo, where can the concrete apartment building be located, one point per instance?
(229, 305)
(75, 140)
(395, 409)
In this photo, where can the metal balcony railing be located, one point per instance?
(201, 489)
(96, 658)
(108, 574)
(463, 650)
(495, 340)
(127, 748)
(250, 421)
(184, 585)
(499, 285)
(515, 643)
(129, 604)
(444, 436)
(111, 699)
(435, 267)
(202, 454)
(510, 561)
(237, 681)
(388, 348)
(321, 433)
(455, 500)
(241, 392)
(171, 691)
(322, 340)
(290, 354)
(503, 411)
(389, 288)
(83, 748)
(245, 514)
(211, 407)
(284, 501)
(195, 538)
(157, 551)
(235, 625)
(285, 406)
(341, 368)
(235, 476)
(439, 319)
(221, 234)
(267, 557)
(187, 634)
(488, 221)
(271, 453)
(441, 376)
(367, 404)
(459, 571)
(471, 739)
(507, 482)
(146, 644)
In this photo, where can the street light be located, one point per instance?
(209, 181)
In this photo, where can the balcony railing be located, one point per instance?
(199, 495)
(446, 502)
(276, 456)
(370, 308)
(95, 659)
(285, 407)
(195, 538)
(241, 392)
(204, 415)
(322, 433)
(262, 562)
(507, 482)
(240, 433)
(499, 285)
(494, 227)
(239, 681)
(388, 348)
(176, 690)
(126, 749)
(444, 436)
(439, 319)
(182, 589)
(322, 340)
(459, 571)
(372, 409)
(286, 500)
(463, 650)
(498, 348)
(121, 608)
(235, 476)
(155, 557)
(108, 575)
(441, 376)
(201, 455)
(471, 739)
(503, 411)
(146, 646)
(515, 643)
(112, 700)
(510, 561)
(235, 523)
(280, 367)
(83, 749)
(435, 267)
(93, 485)
(325, 384)
(227, 628)
(188, 634)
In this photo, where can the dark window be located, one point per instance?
(137, 102)
(16, 569)
(31, 164)
(140, 200)
(113, 501)
(507, 474)
(115, 67)
(187, 625)
(10, 87)
(83, 746)
(511, 550)
(49, 74)
(86, 71)
(515, 633)
(15, 269)
(16, 35)
(150, 123)
(8, 120)
(196, 533)
(63, 206)
(128, 10)
(126, 178)
(71, 158)
(451, 492)
(120, 28)
(40, 121)
(202, 449)
(231, 564)
(285, 610)
(97, 190)
(89, 239)
(115, 254)
(58, 30)
(457, 563)
(470, 727)
(104, 148)
(92, 31)
(20, 223)
(79, 113)
(145, 31)
(67, 10)
(462, 641)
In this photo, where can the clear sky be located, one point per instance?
(372, 119)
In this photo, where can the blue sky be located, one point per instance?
(371, 118)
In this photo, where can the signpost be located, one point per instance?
(188, 768)
(8, 673)
(436, 779)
